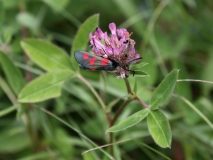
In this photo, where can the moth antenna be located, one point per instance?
(132, 60)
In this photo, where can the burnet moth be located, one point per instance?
(92, 62)
(88, 61)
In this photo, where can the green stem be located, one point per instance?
(194, 80)
(8, 110)
(93, 90)
(128, 86)
(119, 111)
(141, 102)
(8, 91)
(196, 110)
(135, 86)
(127, 102)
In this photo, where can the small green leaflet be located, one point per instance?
(12, 73)
(159, 128)
(130, 121)
(46, 55)
(140, 74)
(164, 90)
(137, 66)
(44, 87)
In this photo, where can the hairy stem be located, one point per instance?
(128, 86)
(108, 118)
(194, 80)
(141, 102)
(119, 111)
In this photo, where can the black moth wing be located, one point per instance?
(88, 61)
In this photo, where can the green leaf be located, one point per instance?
(7, 35)
(159, 128)
(130, 121)
(12, 73)
(140, 74)
(27, 20)
(45, 87)
(46, 55)
(15, 80)
(137, 66)
(57, 5)
(82, 37)
(8, 110)
(164, 90)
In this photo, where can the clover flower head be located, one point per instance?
(118, 47)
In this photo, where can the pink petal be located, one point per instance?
(112, 28)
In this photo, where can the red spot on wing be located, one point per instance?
(92, 61)
(85, 56)
(104, 62)
(92, 69)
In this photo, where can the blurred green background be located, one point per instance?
(168, 33)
